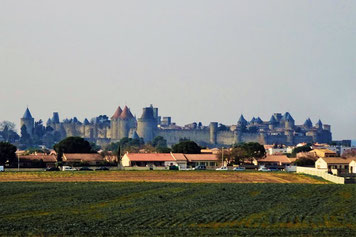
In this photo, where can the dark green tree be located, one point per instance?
(254, 150)
(303, 161)
(159, 142)
(186, 147)
(297, 150)
(7, 153)
(247, 151)
(72, 145)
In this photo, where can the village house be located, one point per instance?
(333, 165)
(322, 153)
(148, 160)
(209, 160)
(37, 161)
(352, 166)
(273, 160)
(79, 159)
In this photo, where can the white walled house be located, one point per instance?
(332, 163)
(352, 166)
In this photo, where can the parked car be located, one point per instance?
(239, 169)
(52, 169)
(102, 168)
(85, 169)
(222, 168)
(200, 167)
(264, 169)
(174, 167)
(69, 168)
(273, 169)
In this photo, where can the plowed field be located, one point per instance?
(159, 176)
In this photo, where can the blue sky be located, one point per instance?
(196, 60)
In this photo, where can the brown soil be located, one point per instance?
(158, 176)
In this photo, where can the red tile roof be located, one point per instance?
(82, 157)
(45, 158)
(179, 157)
(126, 113)
(201, 157)
(117, 113)
(276, 158)
(150, 157)
(337, 160)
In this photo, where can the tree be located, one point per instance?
(72, 145)
(159, 142)
(8, 131)
(186, 147)
(7, 153)
(303, 161)
(300, 149)
(10, 126)
(252, 150)
(126, 145)
(349, 153)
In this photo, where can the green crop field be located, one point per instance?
(177, 209)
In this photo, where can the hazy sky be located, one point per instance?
(196, 60)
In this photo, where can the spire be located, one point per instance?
(86, 122)
(273, 120)
(27, 114)
(242, 121)
(287, 117)
(117, 113)
(259, 120)
(126, 113)
(308, 123)
(319, 124)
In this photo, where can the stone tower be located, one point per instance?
(147, 124)
(28, 121)
(126, 122)
(114, 124)
(213, 127)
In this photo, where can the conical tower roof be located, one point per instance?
(259, 120)
(242, 121)
(319, 124)
(27, 114)
(117, 113)
(253, 120)
(308, 123)
(86, 122)
(126, 113)
(273, 120)
(287, 117)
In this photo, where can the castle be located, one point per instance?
(280, 129)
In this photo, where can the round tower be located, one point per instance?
(114, 124)
(125, 121)
(213, 132)
(289, 134)
(263, 137)
(146, 125)
(28, 121)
